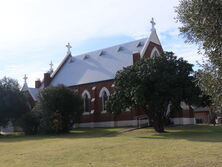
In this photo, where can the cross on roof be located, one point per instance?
(153, 24)
(51, 65)
(69, 47)
(25, 78)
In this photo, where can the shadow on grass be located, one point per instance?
(75, 134)
(199, 133)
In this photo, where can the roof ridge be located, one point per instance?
(102, 49)
(105, 74)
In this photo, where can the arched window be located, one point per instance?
(86, 101)
(104, 95)
(155, 52)
(104, 99)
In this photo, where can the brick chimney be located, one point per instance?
(136, 57)
(47, 79)
(37, 83)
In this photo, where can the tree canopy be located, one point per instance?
(202, 24)
(58, 109)
(12, 101)
(153, 84)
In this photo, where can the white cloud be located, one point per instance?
(40, 20)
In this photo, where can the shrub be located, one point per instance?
(29, 122)
(59, 108)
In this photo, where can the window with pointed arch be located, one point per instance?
(104, 99)
(86, 101)
(104, 95)
(155, 52)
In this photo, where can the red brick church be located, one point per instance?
(92, 74)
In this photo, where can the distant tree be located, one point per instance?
(202, 24)
(13, 103)
(58, 109)
(153, 84)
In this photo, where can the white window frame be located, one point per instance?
(153, 51)
(104, 89)
(83, 94)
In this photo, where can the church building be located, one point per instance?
(92, 74)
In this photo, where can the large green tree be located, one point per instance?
(57, 109)
(202, 24)
(13, 103)
(153, 84)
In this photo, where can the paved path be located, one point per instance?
(120, 131)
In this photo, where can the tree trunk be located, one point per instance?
(159, 122)
(158, 119)
(159, 126)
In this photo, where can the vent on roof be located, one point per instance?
(120, 48)
(71, 60)
(101, 53)
(139, 44)
(85, 57)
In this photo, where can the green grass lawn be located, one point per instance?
(186, 146)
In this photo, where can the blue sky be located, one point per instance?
(32, 33)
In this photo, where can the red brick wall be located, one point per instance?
(183, 114)
(97, 116)
(150, 48)
(136, 57)
(38, 84)
(203, 115)
(47, 79)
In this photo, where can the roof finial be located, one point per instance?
(51, 65)
(153, 24)
(69, 47)
(25, 79)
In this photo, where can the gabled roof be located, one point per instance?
(96, 67)
(34, 92)
(153, 38)
(199, 109)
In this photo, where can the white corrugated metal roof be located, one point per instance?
(99, 65)
(34, 93)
